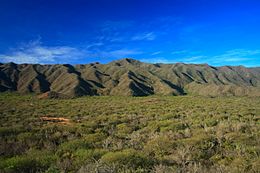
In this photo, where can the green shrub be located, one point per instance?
(129, 157)
(19, 164)
(123, 130)
(33, 161)
(83, 156)
(210, 122)
(72, 146)
(159, 146)
(95, 137)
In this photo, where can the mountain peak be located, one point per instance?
(126, 61)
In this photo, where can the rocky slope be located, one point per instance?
(130, 77)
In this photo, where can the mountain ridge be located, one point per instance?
(130, 77)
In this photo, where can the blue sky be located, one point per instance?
(216, 32)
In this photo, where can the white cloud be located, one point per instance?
(236, 59)
(113, 31)
(149, 36)
(179, 52)
(241, 52)
(231, 57)
(95, 44)
(236, 55)
(157, 60)
(34, 52)
(195, 59)
(156, 53)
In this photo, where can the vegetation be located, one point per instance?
(129, 134)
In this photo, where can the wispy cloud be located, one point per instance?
(148, 36)
(179, 52)
(114, 31)
(234, 57)
(156, 53)
(230, 57)
(133, 32)
(94, 44)
(35, 52)
(157, 60)
(164, 24)
(237, 55)
(195, 59)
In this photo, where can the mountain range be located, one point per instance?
(129, 77)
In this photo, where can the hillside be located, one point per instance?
(129, 77)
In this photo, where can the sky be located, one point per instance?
(215, 32)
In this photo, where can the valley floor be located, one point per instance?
(129, 134)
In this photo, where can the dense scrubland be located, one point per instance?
(129, 134)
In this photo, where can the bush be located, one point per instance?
(72, 146)
(33, 161)
(129, 158)
(95, 137)
(19, 164)
(83, 156)
(123, 130)
(159, 146)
